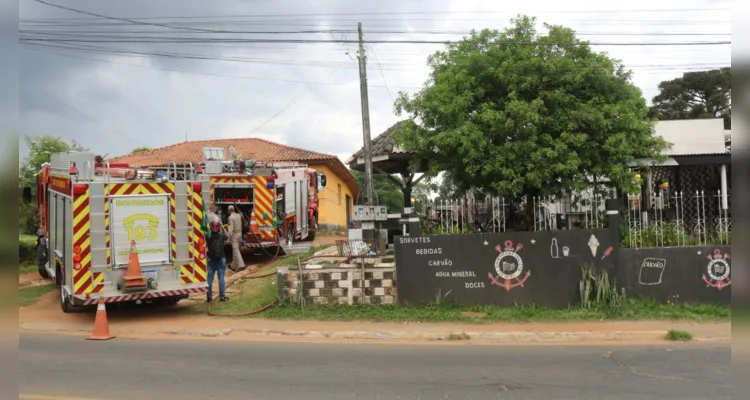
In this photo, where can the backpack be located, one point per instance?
(216, 246)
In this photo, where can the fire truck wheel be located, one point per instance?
(313, 228)
(42, 271)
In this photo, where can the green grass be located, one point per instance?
(28, 239)
(679, 336)
(30, 295)
(25, 268)
(633, 310)
(254, 293)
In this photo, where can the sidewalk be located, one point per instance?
(496, 333)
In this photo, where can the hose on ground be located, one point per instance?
(248, 313)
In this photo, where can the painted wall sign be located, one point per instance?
(718, 270)
(496, 268)
(651, 271)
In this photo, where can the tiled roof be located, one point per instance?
(248, 148)
(384, 144)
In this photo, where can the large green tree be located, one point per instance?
(699, 94)
(40, 148)
(519, 112)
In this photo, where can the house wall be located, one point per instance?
(332, 212)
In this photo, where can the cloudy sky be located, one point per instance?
(116, 96)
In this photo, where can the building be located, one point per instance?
(336, 200)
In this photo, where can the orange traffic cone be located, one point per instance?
(133, 276)
(101, 326)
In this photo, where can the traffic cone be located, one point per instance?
(133, 276)
(101, 326)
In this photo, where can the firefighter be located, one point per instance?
(235, 236)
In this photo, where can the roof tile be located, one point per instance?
(248, 148)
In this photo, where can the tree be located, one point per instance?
(387, 192)
(701, 94)
(515, 112)
(140, 150)
(40, 149)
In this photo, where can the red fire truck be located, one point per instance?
(94, 215)
(278, 200)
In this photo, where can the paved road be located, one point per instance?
(72, 368)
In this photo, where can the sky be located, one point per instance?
(114, 97)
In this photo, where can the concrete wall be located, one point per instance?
(544, 268)
(342, 285)
(503, 269)
(332, 212)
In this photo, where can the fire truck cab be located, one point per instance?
(278, 201)
(92, 211)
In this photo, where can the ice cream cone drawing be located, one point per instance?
(593, 244)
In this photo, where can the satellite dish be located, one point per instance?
(233, 152)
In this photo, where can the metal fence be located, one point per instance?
(501, 214)
(679, 219)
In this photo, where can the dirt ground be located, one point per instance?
(47, 309)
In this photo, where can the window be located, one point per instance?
(339, 193)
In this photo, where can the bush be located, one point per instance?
(26, 249)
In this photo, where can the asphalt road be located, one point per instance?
(68, 367)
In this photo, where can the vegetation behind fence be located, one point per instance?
(679, 219)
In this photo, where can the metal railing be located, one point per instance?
(679, 219)
(500, 214)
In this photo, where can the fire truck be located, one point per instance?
(94, 215)
(277, 200)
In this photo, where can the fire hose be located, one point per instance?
(252, 312)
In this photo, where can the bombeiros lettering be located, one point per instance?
(429, 252)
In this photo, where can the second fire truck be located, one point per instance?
(277, 200)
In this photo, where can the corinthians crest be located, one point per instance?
(717, 270)
(509, 267)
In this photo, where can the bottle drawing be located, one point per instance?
(554, 251)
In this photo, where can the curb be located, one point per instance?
(516, 337)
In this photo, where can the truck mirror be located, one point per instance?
(27, 195)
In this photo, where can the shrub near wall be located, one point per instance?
(26, 250)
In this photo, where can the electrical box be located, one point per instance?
(370, 213)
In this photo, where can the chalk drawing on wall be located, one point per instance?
(652, 270)
(509, 267)
(718, 270)
(554, 252)
(607, 252)
(593, 244)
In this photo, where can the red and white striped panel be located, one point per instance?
(145, 296)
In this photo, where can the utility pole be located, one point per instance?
(369, 190)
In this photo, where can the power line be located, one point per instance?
(294, 100)
(260, 60)
(175, 40)
(202, 72)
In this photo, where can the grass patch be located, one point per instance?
(30, 295)
(26, 268)
(253, 293)
(679, 336)
(632, 310)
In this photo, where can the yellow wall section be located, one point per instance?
(332, 212)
